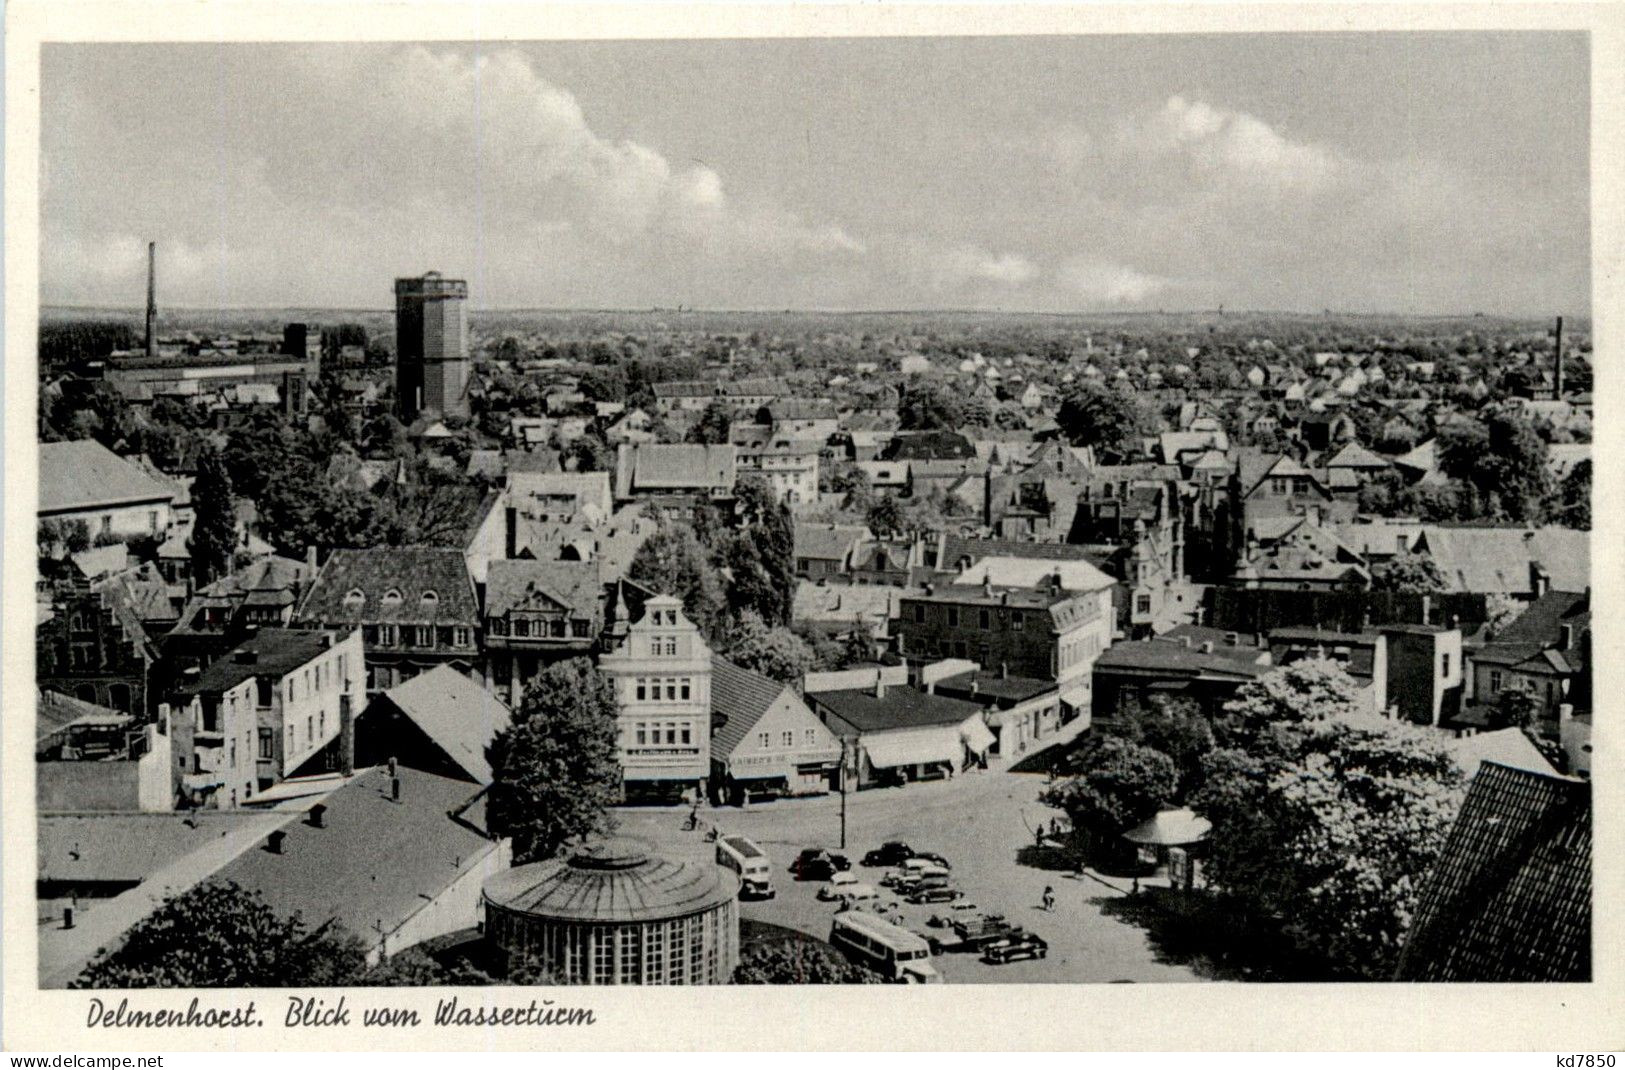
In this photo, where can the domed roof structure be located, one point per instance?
(612, 880)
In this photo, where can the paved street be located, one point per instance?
(979, 821)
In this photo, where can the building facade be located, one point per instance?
(431, 343)
(660, 666)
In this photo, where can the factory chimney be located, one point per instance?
(152, 299)
(1557, 374)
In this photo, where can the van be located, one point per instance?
(750, 862)
(913, 879)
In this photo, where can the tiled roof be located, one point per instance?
(1155, 655)
(272, 652)
(511, 585)
(460, 716)
(742, 697)
(898, 707)
(84, 474)
(412, 571)
(671, 466)
(125, 847)
(376, 861)
(826, 542)
(1509, 899)
(1354, 455)
(1543, 621)
(1496, 560)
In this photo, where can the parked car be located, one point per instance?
(855, 892)
(1020, 945)
(933, 858)
(817, 864)
(889, 854)
(935, 895)
(837, 881)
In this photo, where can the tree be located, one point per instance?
(1117, 784)
(1410, 573)
(220, 935)
(588, 453)
(799, 960)
(1176, 727)
(1504, 462)
(1514, 708)
(1109, 418)
(1573, 505)
(214, 527)
(554, 770)
(672, 561)
(774, 651)
(712, 428)
(603, 384)
(1326, 823)
(1307, 691)
(885, 516)
(929, 407)
(759, 552)
(72, 536)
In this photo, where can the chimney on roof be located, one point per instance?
(346, 736)
(1004, 670)
(1207, 646)
(1539, 579)
(1557, 356)
(318, 816)
(1185, 641)
(1565, 633)
(310, 558)
(245, 657)
(152, 299)
(879, 690)
(1427, 609)
(395, 788)
(273, 842)
(1231, 638)
(1565, 712)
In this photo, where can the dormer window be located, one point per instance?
(430, 600)
(355, 597)
(392, 597)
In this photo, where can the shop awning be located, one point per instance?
(976, 735)
(920, 746)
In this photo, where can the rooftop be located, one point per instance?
(84, 474)
(617, 879)
(457, 714)
(895, 707)
(271, 652)
(741, 697)
(430, 585)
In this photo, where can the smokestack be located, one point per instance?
(152, 299)
(1557, 374)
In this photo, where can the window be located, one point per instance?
(671, 733)
(764, 739)
(809, 736)
(1142, 603)
(386, 634)
(521, 628)
(578, 628)
(1018, 620)
(688, 734)
(671, 690)
(643, 691)
(642, 735)
(152, 520)
(984, 655)
(919, 613)
(425, 635)
(1495, 682)
(1444, 664)
(953, 616)
(558, 628)
(961, 648)
(671, 645)
(107, 525)
(392, 597)
(429, 600)
(789, 739)
(685, 689)
(984, 619)
(310, 730)
(321, 722)
(263, 688)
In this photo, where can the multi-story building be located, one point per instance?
(84, 481)
(661, 669)
(1017, 617)
(536, 613)
(415, 605)
(431, 345)
(767, 741)
(269, 707)
(674, 475)
(94, 647)
(790, 465)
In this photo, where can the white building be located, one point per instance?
(85, 481)
(661, 669)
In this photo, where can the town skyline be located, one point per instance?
(1193, 183)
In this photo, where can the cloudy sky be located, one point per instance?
(1407, 173)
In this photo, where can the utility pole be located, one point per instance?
(844, 769)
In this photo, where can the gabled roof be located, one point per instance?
(542, 585)
(84, 474)
(826, 542)
(897, 707)
(457, 714)
(1543, 621)
(741, 698)
(375, 861)
(1510, 897)
(410, 571)
(676, 466)
(1508, 746)
(272, 652)
(1354, 455)
(1496, 560)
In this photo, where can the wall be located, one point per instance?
(457, 907)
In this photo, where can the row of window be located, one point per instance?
(556, 628)
(663, 733)
(413, 635)
(663, 689)
(809, 737)
(984, 617)
(392, 597)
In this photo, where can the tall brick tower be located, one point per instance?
(431, 346)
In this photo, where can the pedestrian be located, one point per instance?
(1049, 898)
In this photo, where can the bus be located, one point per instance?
(755, 869)
(890, 949)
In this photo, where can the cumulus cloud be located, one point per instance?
(1233, 143)
(1099, 281)
(954, 268)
